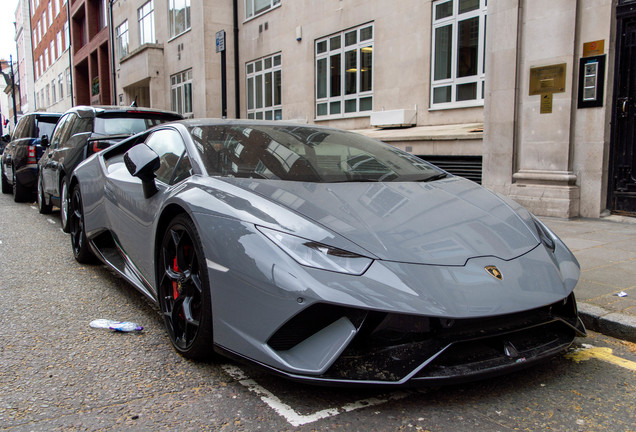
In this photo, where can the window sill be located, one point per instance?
(179, 35)
(343, 117)
(457, 105)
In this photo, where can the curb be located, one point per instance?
(616, 325)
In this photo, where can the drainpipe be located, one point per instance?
(237, 96)
(112, 52)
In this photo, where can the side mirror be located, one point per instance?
(142, 162)
(44, 141)
(6, 138)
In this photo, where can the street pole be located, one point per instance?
(15, 111)
(220, 47)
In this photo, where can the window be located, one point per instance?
(67, 75)
(59, 44)
(60, 83)
(46, 58)
(121, 38)
(59, 6)
(67, 38)
(35, 38)
(181, 92)
(344, 73)
(256, 7)
(146, 15)
(48, 96)
(44, 26)
(179, 16)
(37, 68)
(53, 96)
(457, 56)
(39, 31)
(49, 14)
(52, 51)
(264, 88)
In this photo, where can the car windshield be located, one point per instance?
(304, 154)
(126, 124)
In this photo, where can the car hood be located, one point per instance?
(446, 222)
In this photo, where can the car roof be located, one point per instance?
(97, 110)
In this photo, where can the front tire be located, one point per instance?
(43, 207)
(81, 250)
(64, 206)
(184, 290)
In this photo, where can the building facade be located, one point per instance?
(24, 56)
(531, 103)
(559, 133)
(51, 55)
(91, 55)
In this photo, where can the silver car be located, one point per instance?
(323, 255)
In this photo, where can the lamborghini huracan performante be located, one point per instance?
(323, 255)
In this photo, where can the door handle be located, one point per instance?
(624, 107)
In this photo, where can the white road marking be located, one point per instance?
(34, 207)
(51, 221)
(289, 414)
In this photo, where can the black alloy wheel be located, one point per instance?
(81, 250)
(184, 291)
(43, 207)
(65, 205)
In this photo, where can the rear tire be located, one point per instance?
(81, 250)
(43, 207)
(6, 186)
(20, 193)
(184, 290)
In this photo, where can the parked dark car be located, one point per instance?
(82, 131)
(20, 157)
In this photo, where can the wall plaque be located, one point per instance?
(546, 103)
(547, 79)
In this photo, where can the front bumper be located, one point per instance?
(400, 350)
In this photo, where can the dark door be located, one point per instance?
(622, 169)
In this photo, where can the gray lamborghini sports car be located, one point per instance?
(324, 256)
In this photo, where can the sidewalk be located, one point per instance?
(606, 250)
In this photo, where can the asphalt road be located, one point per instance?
(57, 373)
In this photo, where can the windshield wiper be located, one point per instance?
(434, 177)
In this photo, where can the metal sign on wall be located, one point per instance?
(547, 79)
(220, 41)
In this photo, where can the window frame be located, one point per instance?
(142, 16)
(172, 14)
(251, 14)
(179, 82)
(327, 55)
(251, 73)
(454, 80)
(119, 38)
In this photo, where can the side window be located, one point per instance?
(59, 129)
(168, 144)
(19, 128)
(77, 126)
(65, 132)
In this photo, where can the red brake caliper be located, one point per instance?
(175, 289)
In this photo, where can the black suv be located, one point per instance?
(82, 131)
(19, 167)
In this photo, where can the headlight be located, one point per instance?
(545, 235)
(317, 255)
